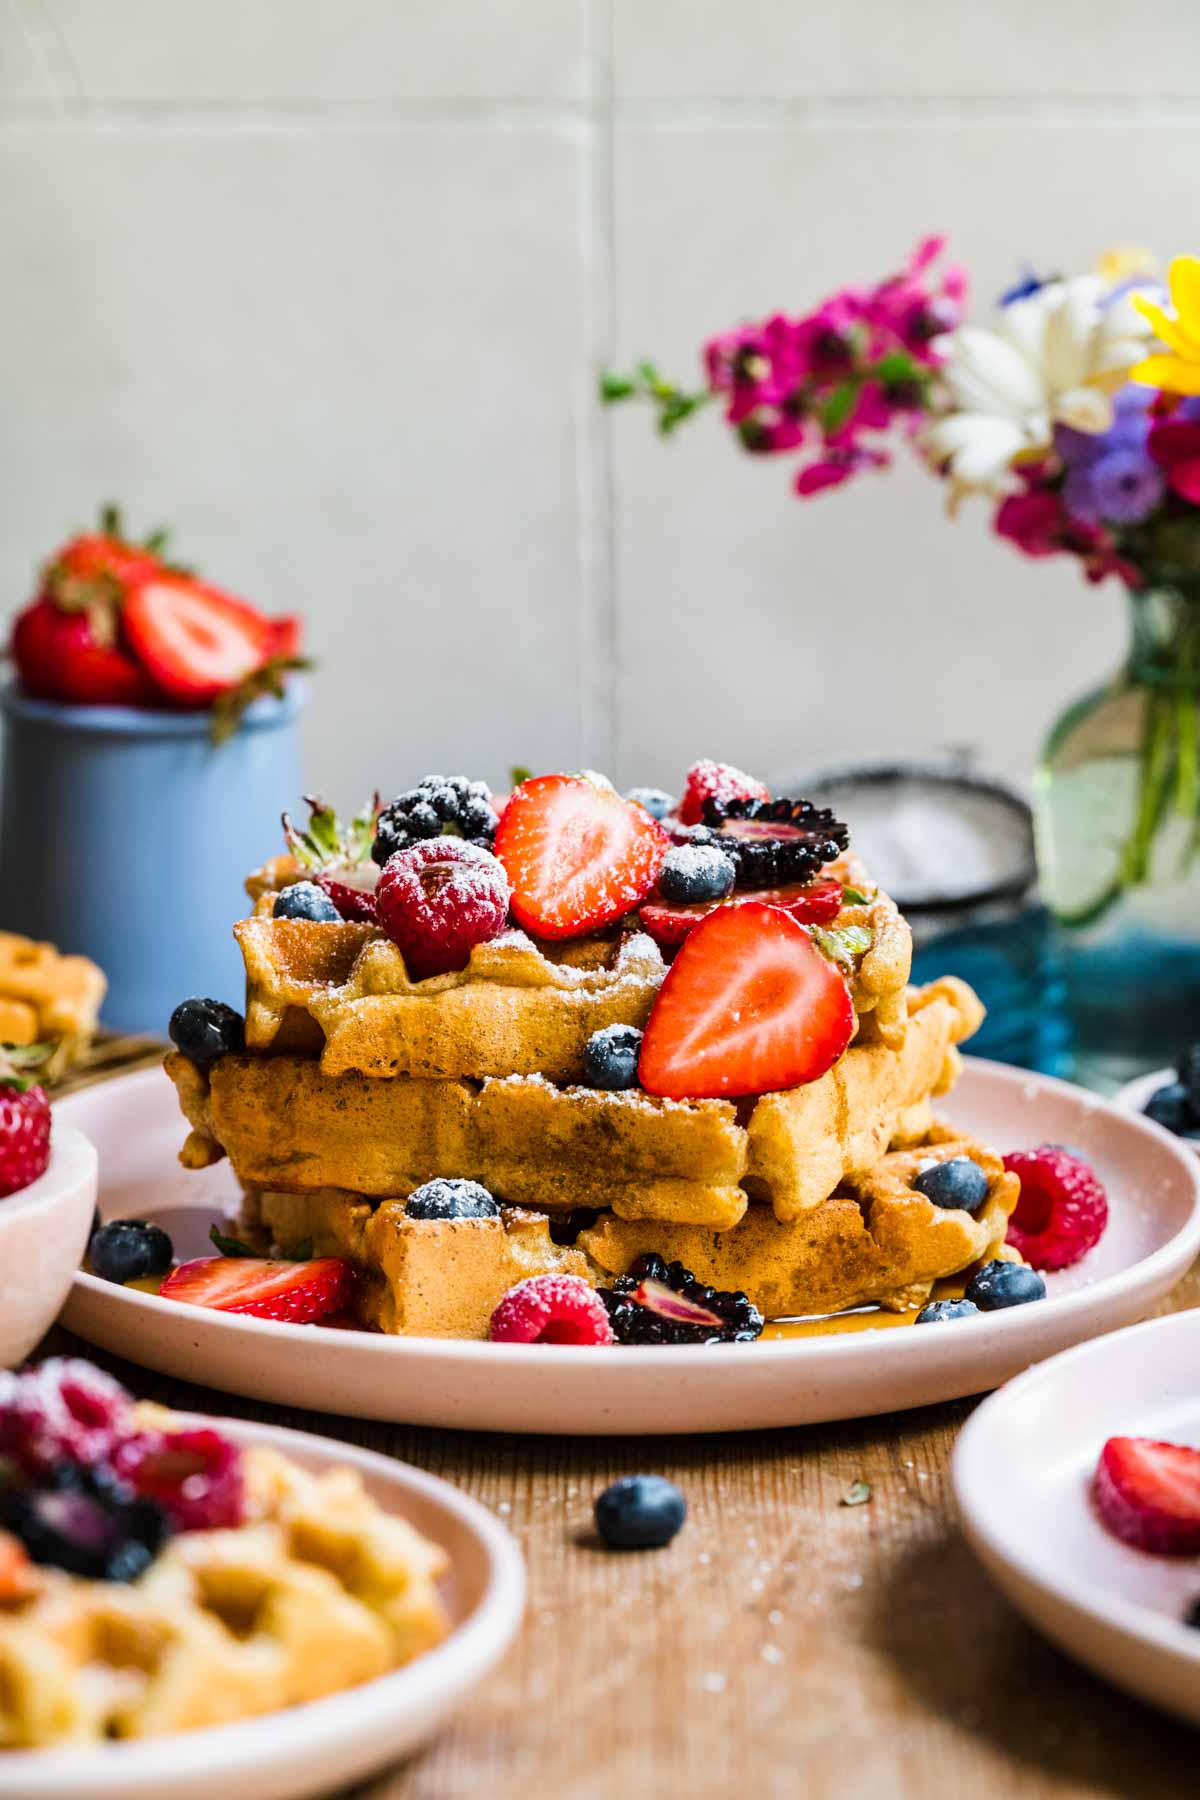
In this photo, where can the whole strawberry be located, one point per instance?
(24, 1120)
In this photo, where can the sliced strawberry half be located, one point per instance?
(809, 902)
(286, 634)
(576, 854)
(1148, 1494)
(748, 1006)
(352, 891)
(707, 780)
(296, 1291)
(195, 641)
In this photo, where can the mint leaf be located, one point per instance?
(229, 1246)
(518, 774)
(851, 896)
(844, 944)
(857, 1494)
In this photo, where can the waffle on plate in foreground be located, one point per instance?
(570, 1066)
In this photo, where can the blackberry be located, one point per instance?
(775, 842)
(206, 1029)
(657, 803)
(957, 1184)
(693, 872)
(130, 1250)
(305, 900)
(632, 1323)
(610, 1057)
(439, 806)
(86, 1521)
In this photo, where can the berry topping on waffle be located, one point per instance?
(810, 902)
(717, 782)
(657, 1302)
(749, 1006)
(439, 899)
(773, 842)
(439, 806)
(578, 856)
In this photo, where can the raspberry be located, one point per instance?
(24, 1136)
(1062, 1211)
(716, 781)
(551, 1309)
(63, 1411)
(439, 899)
(194, 1476)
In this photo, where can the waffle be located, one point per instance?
(319, 1592)
(877, 1239)
(47, 996)
(342, 992)
(287, 1125)
(417, 1277)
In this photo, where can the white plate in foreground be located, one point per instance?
(1154, 1233)
(1022, 1471)
(327, 1744)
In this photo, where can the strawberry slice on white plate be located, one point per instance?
(195, 641)
(296, 1291)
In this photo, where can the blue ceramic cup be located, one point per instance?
(127, 835)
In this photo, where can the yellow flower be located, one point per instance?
(1178, 373)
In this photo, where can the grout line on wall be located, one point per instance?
(598, 623)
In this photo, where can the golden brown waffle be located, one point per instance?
(286, 1125)
(320, 1591)
(342, 991)
(876, 1239)
(47, 996)
(418, 1277)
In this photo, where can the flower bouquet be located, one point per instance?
(1075, 412)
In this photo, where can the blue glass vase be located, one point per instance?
(1117, 817)
(127, 834)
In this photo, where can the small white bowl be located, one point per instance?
(44, 1231)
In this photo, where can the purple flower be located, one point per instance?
(1121, 486)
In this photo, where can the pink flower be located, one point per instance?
(1033, 522)
(1175, 446)
(836, 467)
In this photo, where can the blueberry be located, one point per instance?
(694, 872)
(1171, 1106)
(206, 1029)
(610, 1057)
(1192, 1615)
(640, 1512)
(305, 900)
(656, 803)
(129, 1250)
(938, 1312)
(451, 1199)
(1000, 1284)
(958, 1184)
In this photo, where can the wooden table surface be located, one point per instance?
(784, 1647)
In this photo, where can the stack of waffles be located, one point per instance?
(357, 1084)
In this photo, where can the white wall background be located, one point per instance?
(328, 284)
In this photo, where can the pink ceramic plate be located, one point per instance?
(329, 1743)
(1022, 1471)
(1154, 1235)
